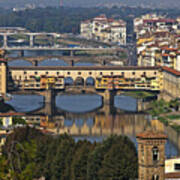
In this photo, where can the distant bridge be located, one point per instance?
(103, 60)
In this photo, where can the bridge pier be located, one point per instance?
(108, 97)
(35, 63)
(49, 102)
(21, 53)
(5, 39)
(104, 62)
(72, 62)
(71, 53)
(31, 43)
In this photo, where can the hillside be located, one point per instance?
(87, 3)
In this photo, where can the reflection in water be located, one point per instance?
(93, 125)
(52, 62)
(19, 63)
(78, 103)
(26, 103)
(125, 103)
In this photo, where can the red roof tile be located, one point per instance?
(11, 114)
(170, 70)
(152, 135)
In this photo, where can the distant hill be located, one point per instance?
(90, 3)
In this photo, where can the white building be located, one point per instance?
(104, 29)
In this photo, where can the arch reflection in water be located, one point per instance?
(78, 103)
(52, 62)
(26, 103)
(19, 63)
(125, 103)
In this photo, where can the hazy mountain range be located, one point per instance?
(90, 3)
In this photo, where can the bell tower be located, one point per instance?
(151, 155)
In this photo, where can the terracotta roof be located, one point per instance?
(82, 68)
(11, 114)
(152, 135)
(159, 20)
(167, 55)
(170, 70)
(174, 175)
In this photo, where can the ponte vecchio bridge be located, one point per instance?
(106, 81)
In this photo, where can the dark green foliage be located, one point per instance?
(67, 20)
(30, 154)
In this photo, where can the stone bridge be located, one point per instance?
(70, 60)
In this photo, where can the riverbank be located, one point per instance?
(166, 112)
(5, 107)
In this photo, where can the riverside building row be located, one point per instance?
(104, 29)
(158, 41)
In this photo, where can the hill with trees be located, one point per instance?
(30, 154)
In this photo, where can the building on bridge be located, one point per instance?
(100, 78)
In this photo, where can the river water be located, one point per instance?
(83, 115)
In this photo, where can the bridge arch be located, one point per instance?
(20, 62)
(90, 81)
(79, 81)
(68, 81)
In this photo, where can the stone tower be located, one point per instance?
(151, 155)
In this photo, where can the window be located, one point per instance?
(68, 73)
(177, 166)
(122, 73)
(155, 73)
(25, 72)
(133, 73)
(57, 73)
(79, 73)
(155, 153)
(101, 73)
(36, 73)
(112, 73)
(155, 177)
(47, 72)
(90, 73)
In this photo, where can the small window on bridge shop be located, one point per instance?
(155, 73)
(90, 73)
(177, 166)
(122, 73)
(112, 73)
(79, 73)
(68, 73)
(36, 73)
(57, 73)
(47, 72)
(101, 73)
(133, 73)
(25, 72)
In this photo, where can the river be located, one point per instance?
(83, 115)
